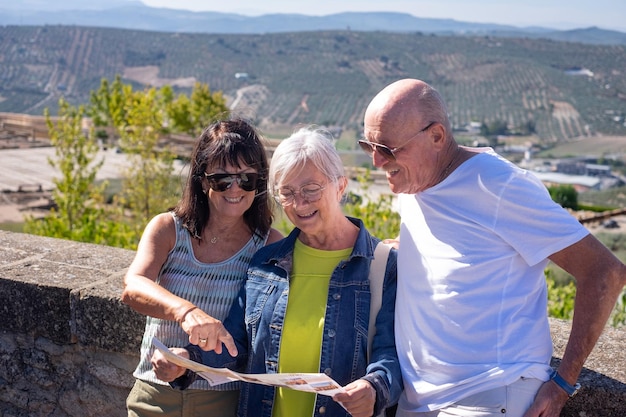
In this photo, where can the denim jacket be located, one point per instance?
(256, 321)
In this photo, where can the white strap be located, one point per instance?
(376, 277)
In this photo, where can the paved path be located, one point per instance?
(29, 170)
(30, 167)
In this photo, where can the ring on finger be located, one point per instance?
(203, 341)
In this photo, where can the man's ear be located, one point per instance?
(438, 135)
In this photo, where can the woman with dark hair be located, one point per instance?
(192, 261)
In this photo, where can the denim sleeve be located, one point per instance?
(189, 377)
(383, 371)
(379, 383)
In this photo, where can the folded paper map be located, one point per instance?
(317, 383)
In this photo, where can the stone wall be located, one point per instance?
(68, 346)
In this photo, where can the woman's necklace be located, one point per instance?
(230, 234)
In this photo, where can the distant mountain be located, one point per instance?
(132, 14)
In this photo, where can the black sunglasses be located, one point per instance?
(385, 151)
(247, 181)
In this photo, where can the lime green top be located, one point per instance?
(301, 340)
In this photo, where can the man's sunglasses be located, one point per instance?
(385, 151)
(247, 181)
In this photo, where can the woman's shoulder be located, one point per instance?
(270, 250)
(274, 236)
(160, 231)
(163, 222)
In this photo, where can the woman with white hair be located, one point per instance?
(305, 306)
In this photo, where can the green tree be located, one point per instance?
(560, 297)
(191, 115)
(494, 129)
(529, 127)
(565, 195)
(80, 212)
(377, 214)
(138, 121)
(181, 113)
(147, 186)
(497, 127)
(141, 120)
(106, 107)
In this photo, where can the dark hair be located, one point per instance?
(230, 141)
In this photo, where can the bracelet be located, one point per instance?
(182, 318)
(571, 390)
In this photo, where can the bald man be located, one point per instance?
(477, 232)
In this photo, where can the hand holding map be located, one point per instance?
(309, 382)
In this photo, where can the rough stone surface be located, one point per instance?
(603, 379)
(68, 346)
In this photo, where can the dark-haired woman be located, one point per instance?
(192, 261)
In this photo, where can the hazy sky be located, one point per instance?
(558, 14)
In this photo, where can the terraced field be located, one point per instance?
(327, 78)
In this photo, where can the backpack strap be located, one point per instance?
(376, 277)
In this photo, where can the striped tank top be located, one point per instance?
(212, 287)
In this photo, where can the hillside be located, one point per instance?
(561, 90)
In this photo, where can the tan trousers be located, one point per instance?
(153, 400)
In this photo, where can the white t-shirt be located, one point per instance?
(471, 309)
